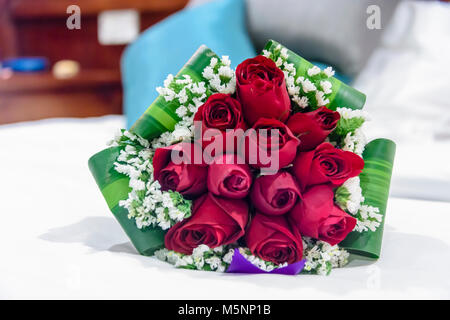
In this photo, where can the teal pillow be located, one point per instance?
(165, 47)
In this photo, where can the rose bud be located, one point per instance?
(271, 239)
(313, 127)
(261, 89)
(229, 177)
(275, 194)
(175, 167)
(270, 144)
(318, 217)
(220, 115)
(215, 222)
(326, 164)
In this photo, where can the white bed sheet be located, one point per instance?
(59, 240)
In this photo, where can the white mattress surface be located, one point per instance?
(59, 240)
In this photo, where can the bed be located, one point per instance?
(59, 239)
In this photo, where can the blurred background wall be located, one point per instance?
(52, 70)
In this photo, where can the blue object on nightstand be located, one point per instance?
(26, 64)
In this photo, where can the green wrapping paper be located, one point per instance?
(157, 119)
(375, 180)
(342, 96)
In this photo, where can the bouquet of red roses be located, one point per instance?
(262, 169)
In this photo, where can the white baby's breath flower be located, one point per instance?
(294, 91)
(348, 113)
(356, 198)
(329, 71)
(218, 249)
(321, 100)
(302, 102)
(180, 133)
(321, 257)
(290, 68)
(355, 142)
(284, 53)
(326, 86)
(221, 268)
(229, 256)
(226, 60)
(313, 71)
(145, 154)
(208, 73)
(213, 62)
(224, 81)
(137, 184)
(199, 251)
(214, 262)
(182, 96)
(130, 149)
(199, 262)
(279, 62)
(308, 86)
(168, 80)
(161, 254)
(267, 53)
(225, 71)
(163, 223)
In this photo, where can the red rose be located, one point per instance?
(313, 127)
(229, 177)
(271, 239)
(318, 217)
(261, 89)
(264, 151)
(326, 164)
(275, 194)
(215, 221)
(182, 175)
(221, 114)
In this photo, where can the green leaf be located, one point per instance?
(114, 187)
(375, 181)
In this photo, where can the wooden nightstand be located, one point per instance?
(38, 28)
(40, 95)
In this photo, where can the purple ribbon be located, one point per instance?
(240, 264)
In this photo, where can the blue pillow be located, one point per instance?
(165, 47)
